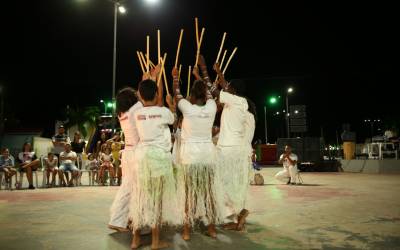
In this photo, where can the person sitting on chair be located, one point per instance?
(7, 164)
(68, 159)
(28, 162)
(50, 164)
(289, 162)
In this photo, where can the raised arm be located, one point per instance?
(221, 78)
(196, 73)
(177, 90)
(213, 88)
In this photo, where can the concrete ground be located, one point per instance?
(330, 211)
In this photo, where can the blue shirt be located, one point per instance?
(6, 162)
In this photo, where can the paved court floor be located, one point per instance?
(330, 211)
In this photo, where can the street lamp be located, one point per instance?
(272, 101)
(371, 122)
(122, 9)
(118, 7)
(289, 91)
(152, 1)
(105, 106)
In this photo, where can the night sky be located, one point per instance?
(339, 58)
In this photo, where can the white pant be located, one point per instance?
(119, 211)
(290, 172)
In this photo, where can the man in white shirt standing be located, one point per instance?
(289, 173)
(233, 168)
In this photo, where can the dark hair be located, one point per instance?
(125, 99)
(238, 86)
(148, 90)
(199, 90)
(252, 108)
(26, 143)
(49, 153)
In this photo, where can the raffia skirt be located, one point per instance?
(154, 200)
(196, 182)
(233, 178)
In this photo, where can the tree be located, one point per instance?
(81, 116)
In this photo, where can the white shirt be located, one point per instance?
(26, 157)
(286, 162)
(197, 120)
(233, 119)
(106, 157)
(65, 154)
(249, 128)
(128, 125)
(152, 126)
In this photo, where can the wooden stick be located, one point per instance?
(229, 60)
(188, 87)
(223, 58)
(221, 47)
(196, 23)
(147, 53)
(140, 61)
(179, 74)
(144, 60)
(162, 69)
(164, 74)
(158, 45)
(201, 36)
(199, 46)
(220, 66)
(179, 47)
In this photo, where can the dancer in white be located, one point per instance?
(289, 161)
(233, 167)
(197, 156)
(126, 106)
(153, 200)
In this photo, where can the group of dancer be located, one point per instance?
(201, 182)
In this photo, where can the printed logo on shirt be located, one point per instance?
(141, 117)
(154, 116)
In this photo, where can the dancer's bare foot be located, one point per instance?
(242, 219)
(211, 231)
(119, 229)
(136, 240)
(230, 226)
(160, 245)
(186, 232)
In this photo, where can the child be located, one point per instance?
(153, 199)
(93, 165)
(50, 164)
(106, 161)
(7, 164)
